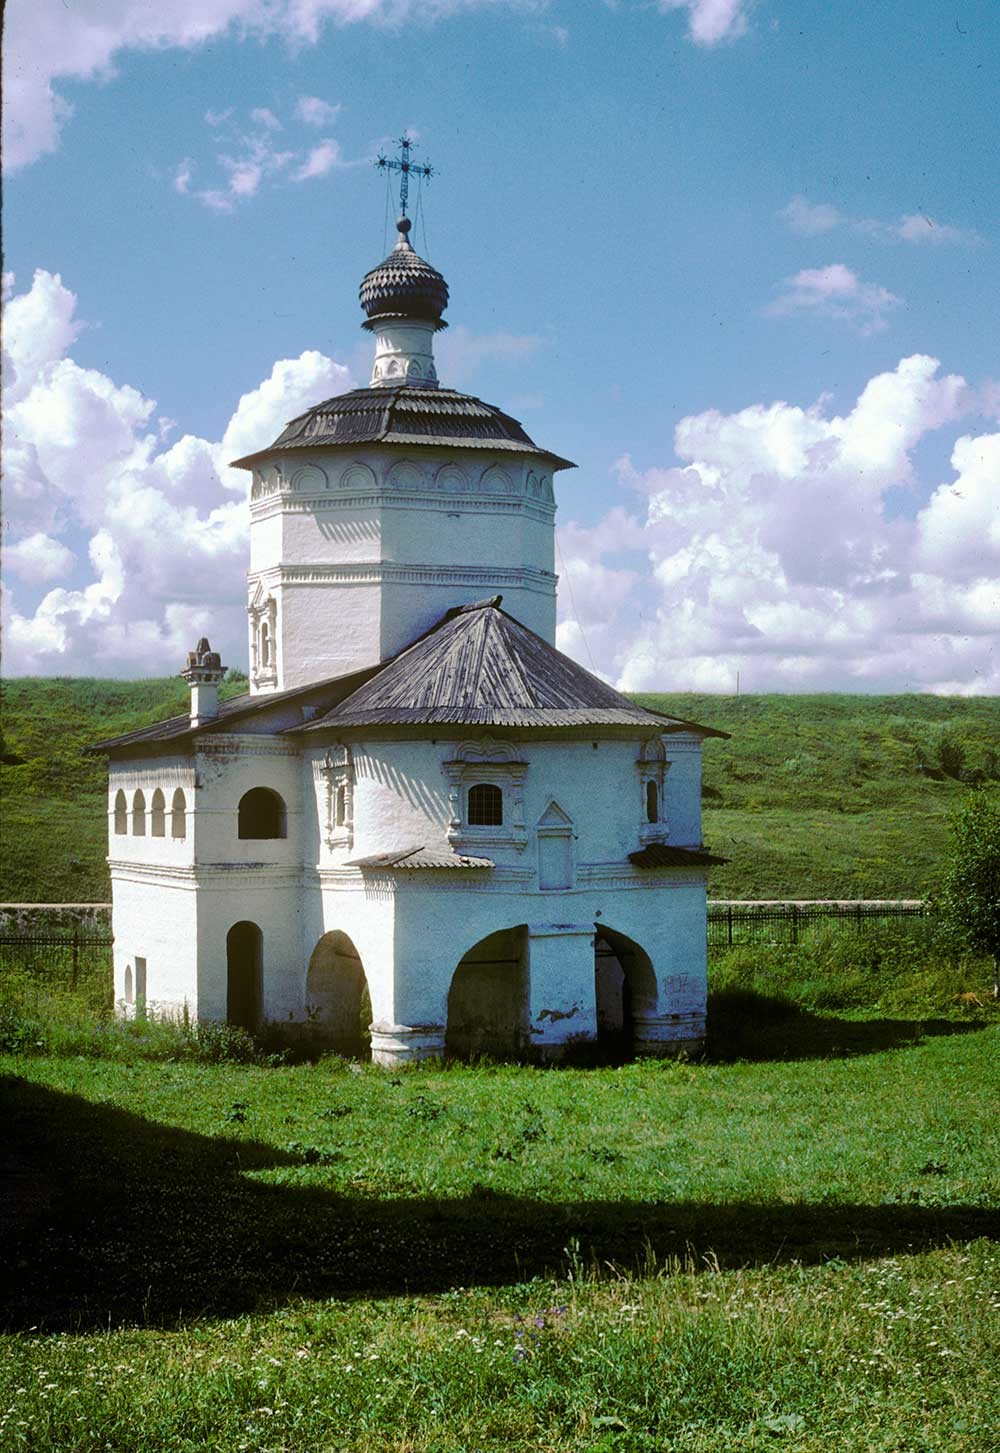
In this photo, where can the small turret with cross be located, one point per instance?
(404, 298)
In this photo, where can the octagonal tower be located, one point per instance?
(376, 511)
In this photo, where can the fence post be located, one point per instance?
(857, 916)
(76, 950)
(729, 923)
(795, 923)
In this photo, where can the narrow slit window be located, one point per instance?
(485, 805)
(652, 802)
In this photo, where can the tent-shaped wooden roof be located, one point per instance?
(481, 667)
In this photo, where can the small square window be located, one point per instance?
(485, 805)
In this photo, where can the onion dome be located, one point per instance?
(404, 286)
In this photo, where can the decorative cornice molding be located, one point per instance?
(388, 572)
(245, 744)
(206, 875)
(152, 776)
(616, 875)
(424, 500)
(678, 742)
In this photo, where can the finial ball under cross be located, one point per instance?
(407, 169)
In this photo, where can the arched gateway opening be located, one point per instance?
(624, 986)
(244, 975)
(337, 999)
(488, 1001)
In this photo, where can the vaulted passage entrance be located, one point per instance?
(488, 999)
(337, 1000)
(244, 960)
(625, 987)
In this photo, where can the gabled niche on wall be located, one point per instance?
(555, 848)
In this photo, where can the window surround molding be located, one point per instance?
(263, 613)
(486, 761)
(336, 772)
(652, 767)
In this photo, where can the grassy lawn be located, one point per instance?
(684, 1256)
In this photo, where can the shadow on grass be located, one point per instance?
(111, 1219)
(746, 1025)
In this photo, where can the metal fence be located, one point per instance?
(736, 923)
(63, 960)
(71, 956)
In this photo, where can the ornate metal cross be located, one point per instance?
(406, 167)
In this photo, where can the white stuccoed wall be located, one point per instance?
(175, 901)
(362, 552)
(400, 800)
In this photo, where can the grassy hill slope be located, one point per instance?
(837, 796)
(814, 796)
(53, 797)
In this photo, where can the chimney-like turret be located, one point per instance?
(203, 672)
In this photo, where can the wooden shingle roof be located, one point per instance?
(481, 667)
(477, 667)
(405, 414)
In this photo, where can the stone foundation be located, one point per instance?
(403, 1044)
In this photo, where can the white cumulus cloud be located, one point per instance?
(314, 111)
(711, 21)
(770, 550)
(47, 43)
(811, 219)
(38, 558)
(164, 529)
(835, 291)
(321, 159)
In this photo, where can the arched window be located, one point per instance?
(139, 815)
(485, 805)
(129, 991)
(652, 802)
(266, 645)
(341, 805)
(121, 812)
(262, 814)
(157, 815)
(178, 812)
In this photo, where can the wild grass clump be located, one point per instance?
(65, 1023)
(896, 967)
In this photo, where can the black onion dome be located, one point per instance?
(404, 286)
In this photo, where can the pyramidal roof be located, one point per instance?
(481, 667)
(477, 667)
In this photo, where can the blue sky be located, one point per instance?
(710, 250)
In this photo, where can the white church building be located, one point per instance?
(423, 829)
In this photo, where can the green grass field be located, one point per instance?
(814, 796)
(793, 1242)
(698, 1257)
